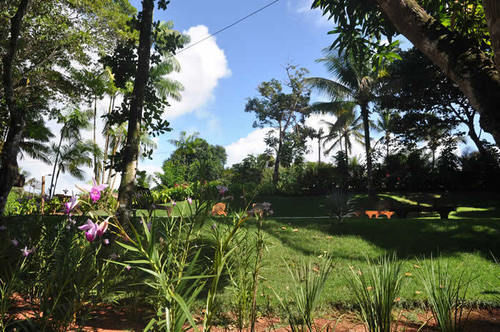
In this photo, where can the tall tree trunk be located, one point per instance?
(131, 152)
(113, 154)
(57, 178)
(319, 149)
(346, 150)
(51, 190)
(96, 171)
(9, 168)
(276, 173)
(492, 13)
(387, 137)
(366, 126)
(471, 69)
(477, 141)
(106, 143)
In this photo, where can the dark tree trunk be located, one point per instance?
(492, 13)
(387, 138)
(112, 159)
(106, 144)
(346, 149)
(96, 171)
(58, 152)
(473, 136)
(276, 173)
(131, 152)
(319, 150)
(366, 126)
(9, 168)
(471, 69)
(57, 179)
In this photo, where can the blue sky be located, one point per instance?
(255, 50)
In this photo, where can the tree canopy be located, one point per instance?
(461, 37)
(284, 111)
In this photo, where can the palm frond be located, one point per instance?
(330, 88)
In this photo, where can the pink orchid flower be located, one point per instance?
(26, 252)
(190, 200)
(94, 230)
(69, 206)
(101, 229)
(90, 230)
(95, 191)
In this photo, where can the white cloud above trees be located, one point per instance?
(202, 66)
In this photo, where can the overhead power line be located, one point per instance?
(228, 26)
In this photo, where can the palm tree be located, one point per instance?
(355, 83)
(167, 87)
(72, 156)
(319, 134)
(73, 122)
(185, 147)
(118, 135)
(383, 124)
(347, 126)
(35, 139)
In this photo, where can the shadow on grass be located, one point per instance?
(426, 237)
(408, 237)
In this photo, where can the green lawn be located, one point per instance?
(467, 242)
(466, 245)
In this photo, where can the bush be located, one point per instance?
(178, 192)
(318, 179)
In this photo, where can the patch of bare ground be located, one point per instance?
(106, 318)
(477, 320)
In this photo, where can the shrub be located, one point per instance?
(339, 204)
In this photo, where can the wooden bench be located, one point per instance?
(144, 200)
(443, 211)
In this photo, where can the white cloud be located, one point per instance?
(253, 143)
(303, 7)
(202, 66)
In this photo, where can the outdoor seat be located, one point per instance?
(388, 214)
(371, 213)
(219, 209)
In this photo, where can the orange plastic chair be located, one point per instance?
(388, 214)
(371, 213)
(219, 209)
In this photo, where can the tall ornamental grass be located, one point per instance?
(375, 291)
(308, 281)
(446, 294)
